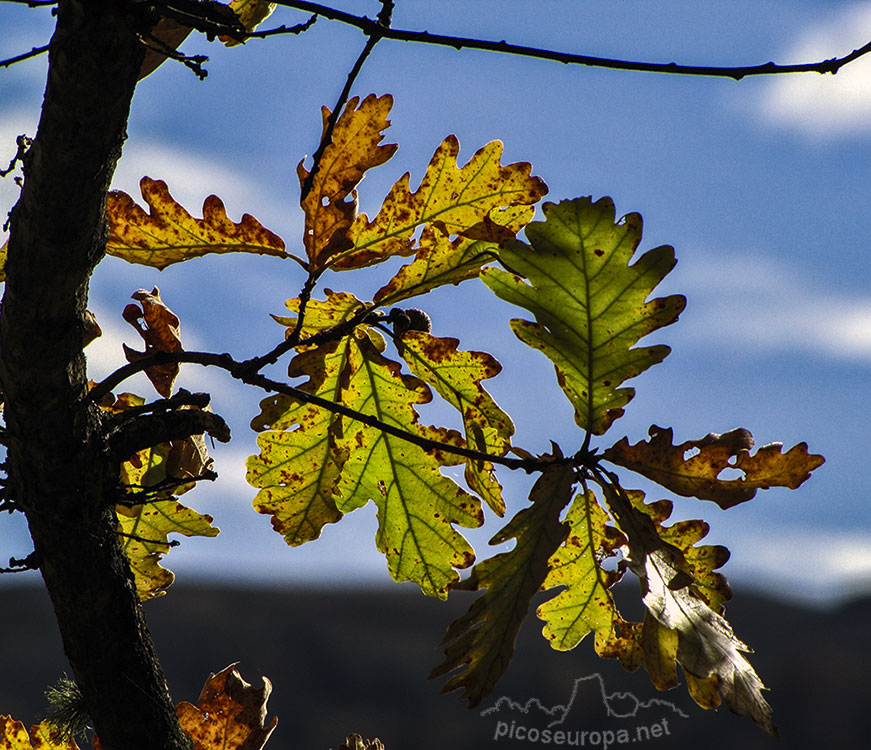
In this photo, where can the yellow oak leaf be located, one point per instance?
(44, 736)
(330, 205)
(169, 234)
(458, 200)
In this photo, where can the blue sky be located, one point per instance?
(761, 186)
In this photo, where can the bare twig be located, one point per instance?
(173, 543)
(24, 56)
(297, 29)
(146, 494)
(367, 25)
(327, 138)
(31, 562)
(23, 143)
(192, 62)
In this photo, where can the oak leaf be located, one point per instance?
(159, 328)
(589, 303)
(251, 14)
(457, 201)
(693, 468)
(330, 205)
(417, 505)
(144, 530)
(585, 604)
(683, 594)
(43, 736)
(169, 234)
(230, 713)
(299, 465)
(481, 642)
(438, 261)
(457, 376)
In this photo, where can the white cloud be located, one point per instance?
(763, 304)
(824, 105)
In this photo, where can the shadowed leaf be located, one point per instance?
(481, 643)
(693, 468)
(169, 234)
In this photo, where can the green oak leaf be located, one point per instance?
(590, 305)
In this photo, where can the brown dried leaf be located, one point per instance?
(159, 328)
(230, 714)
(692, 469)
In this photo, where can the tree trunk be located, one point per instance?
(60, 474)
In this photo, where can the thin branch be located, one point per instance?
(375, 35)
(367, 25)
(297, 29)
(193, 63)
(242, 373)
(24, 56)
(32, 3)
(145, 494)
(173, 543)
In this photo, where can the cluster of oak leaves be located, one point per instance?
(581, 532)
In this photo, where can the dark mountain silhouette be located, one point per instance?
(357, 660)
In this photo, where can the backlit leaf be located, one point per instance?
(4, 251)
(457, 376)
(693, 468)
(152, 477)
(331, 205)
(144, 533)
(481, 643)
(590, 305)
(585, 605)
(159, 328)
(169, 234)
(298, 465)
(417, 505)
(684, 595)
(459, 201)
(230, 714)
(251, 14)
(439, 261)
(44, 736)
(315, 465)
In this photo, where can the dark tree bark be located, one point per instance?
(60, 472)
